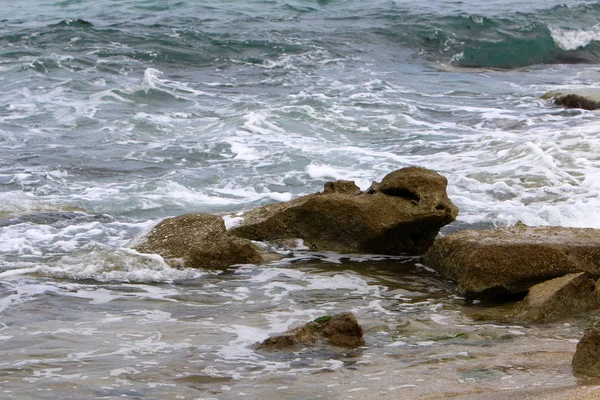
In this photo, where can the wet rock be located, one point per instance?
(587, 99)
(341, 186)
(586, 360)
(55, 218)
(341, 330)
(558, 298)
(199, 240)
(416, 184)
(401, 215)
(506, 261)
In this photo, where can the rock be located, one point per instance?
(561, 297)
(341, 186)
(341, 330)
(403, 215)
(200, 240)
(587, 99)
(506, 261)
(416, 184)
(586, 360)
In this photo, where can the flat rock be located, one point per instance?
(558, 298)
(198, 240)
(587, 99)
(506, 261)
(586, 360)
(341, 330)
(403, 214)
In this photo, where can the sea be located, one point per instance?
(115, 114)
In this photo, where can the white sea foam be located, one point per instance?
(232, 222)
(574, 39)
(322, 171)
(120, 265)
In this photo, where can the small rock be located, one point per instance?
(200, 240)
(587, 99)
(558, 298)
(586, 360)
(341, 330)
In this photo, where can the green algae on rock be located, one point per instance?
(341, 330)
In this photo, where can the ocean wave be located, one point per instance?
(74, 23)
(572, 40)
(558, 35)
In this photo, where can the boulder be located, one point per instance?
(558, 298)
(586, 360)
(403, 214)
(506, 261)
(587, 99)
(341, 330)
(199, 240)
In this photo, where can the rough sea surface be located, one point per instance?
(114, 114)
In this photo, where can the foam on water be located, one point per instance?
(572, 40)
(112, 123)
(120, 265)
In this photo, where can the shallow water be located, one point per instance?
(196, 338)
(116, 114)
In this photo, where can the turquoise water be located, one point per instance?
(114, 114)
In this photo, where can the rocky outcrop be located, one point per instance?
(505, 261)
(587, 99)
(341, 330)
(199, 240)
(402, 214)
(559, 298)
(586, 360)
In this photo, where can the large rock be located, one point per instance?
(403, 214)
(511, 260)
(586, 360)
(341, 330)
(199, 240)
(558, 298)
(588, 99)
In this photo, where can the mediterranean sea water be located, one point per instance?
(115, 114)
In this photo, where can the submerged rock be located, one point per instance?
(403, 214)
(56, 218)
(506, 261)
(199, 240)
(558, 298)
(587, 99)
(341, 330)
(586, 360)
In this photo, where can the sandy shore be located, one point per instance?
(574, 393)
